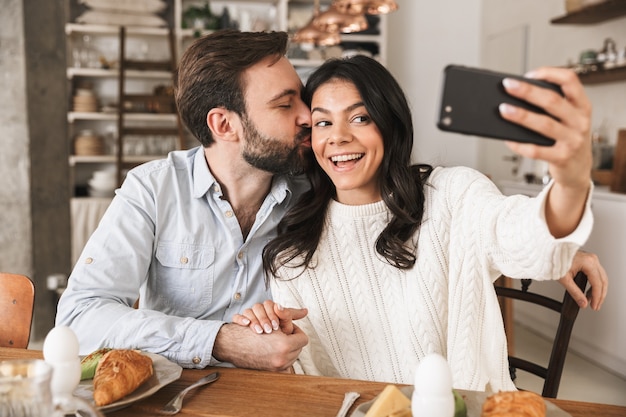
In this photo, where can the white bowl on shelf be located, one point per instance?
(106, 184)
(100, 193)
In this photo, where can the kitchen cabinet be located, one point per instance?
(597, 335)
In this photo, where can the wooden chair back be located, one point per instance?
(568, 311)
(17, 299)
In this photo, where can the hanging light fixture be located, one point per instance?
(343, 16)
(332, 20)
(365, 6)
(311, 35)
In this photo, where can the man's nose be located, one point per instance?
(304, 116)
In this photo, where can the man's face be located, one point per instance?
(277, 125)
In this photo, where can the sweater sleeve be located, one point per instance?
(509, 232)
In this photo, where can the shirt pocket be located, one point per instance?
(185, 275)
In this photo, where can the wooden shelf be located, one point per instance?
(113, 29)
(114, 73)
(604, 76)
(596, 13)
(139, 117)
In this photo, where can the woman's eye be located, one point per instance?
(361, 119)
(322, 123)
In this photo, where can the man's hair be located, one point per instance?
(210, 71)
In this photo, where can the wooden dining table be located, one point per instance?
(244, 392)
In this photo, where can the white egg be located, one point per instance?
(433, 376)
(60, 345)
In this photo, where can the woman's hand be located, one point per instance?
(269, 316)
(570, 158)
(596, 277)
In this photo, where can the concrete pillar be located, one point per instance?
(34, 149)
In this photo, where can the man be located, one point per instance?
(184, 235)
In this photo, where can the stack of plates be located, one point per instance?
(88, 143)
(102, 184)
(85, 101)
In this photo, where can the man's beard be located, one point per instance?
(270, 154)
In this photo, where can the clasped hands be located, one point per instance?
(269, 316)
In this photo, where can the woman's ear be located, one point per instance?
(220, 122)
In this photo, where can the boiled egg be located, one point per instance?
(432, 394)
(60, 345)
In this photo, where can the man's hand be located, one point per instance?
(275, 351)
(596, 276)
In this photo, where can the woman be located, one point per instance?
(395, 261)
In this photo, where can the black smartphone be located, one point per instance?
(469, 105)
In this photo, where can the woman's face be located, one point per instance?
(346, 142)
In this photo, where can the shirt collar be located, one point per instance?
(203, 180)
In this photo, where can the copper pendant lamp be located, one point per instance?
(312, 35)
(332, 20)
(365, 6)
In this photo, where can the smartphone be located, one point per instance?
(469, 105)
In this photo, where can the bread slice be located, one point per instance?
(119, 373)
(514, 403)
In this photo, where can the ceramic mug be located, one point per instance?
(25, 391)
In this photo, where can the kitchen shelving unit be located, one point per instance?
(593, 14)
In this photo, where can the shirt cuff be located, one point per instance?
(200, 338)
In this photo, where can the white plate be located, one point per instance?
(473, 399)
(165, 372)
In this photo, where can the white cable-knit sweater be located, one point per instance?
(369, 320)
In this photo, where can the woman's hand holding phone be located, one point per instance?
(570, 158)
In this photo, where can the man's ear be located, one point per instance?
(222, 123)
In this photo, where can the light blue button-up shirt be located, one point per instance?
(169, 239)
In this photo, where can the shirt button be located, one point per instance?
(216, 188)
(237, 296)
(89, 260)
(229, 213)
(240, 255)
(196, 360)
(184, 260)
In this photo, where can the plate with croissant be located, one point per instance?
(396, 402)
(115, 378)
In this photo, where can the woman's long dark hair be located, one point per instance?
(401, 185)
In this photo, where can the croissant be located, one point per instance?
(119, 373)
(514, 404)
